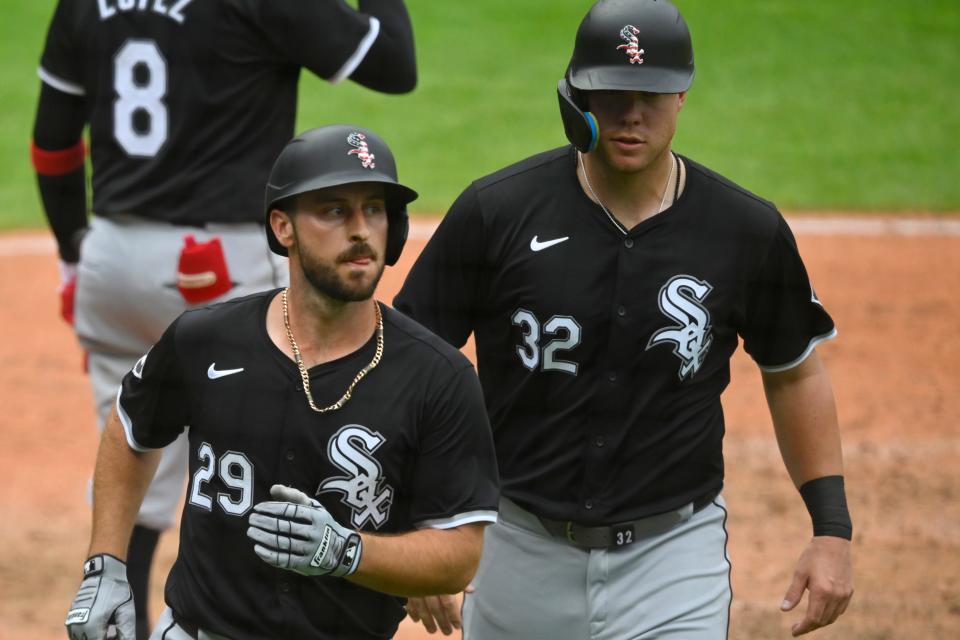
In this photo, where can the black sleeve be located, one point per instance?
(59, 125)
(784, 318)
(456, 478)
(390, 65)
(330, 38)
(62, 60)
(442, 289)
(153, 404)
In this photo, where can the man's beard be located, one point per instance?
(323, 277)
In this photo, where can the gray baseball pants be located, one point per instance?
(671, 585)
(126, 297)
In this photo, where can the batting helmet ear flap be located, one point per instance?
(579, 125)
(398, 226)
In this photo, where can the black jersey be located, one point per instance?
(603, 353)
(411, 449)
(189, 101)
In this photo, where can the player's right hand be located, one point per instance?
(437, 612)
(104, 603)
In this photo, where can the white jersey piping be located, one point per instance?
(803, 356)
(460, 519)
(59, 83)
(354, 60)
(128, 427)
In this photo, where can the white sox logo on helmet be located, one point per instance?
(680, 299)
(363, 489)
(629, 35)
(359, 141)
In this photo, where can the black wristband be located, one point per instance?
(826, 502)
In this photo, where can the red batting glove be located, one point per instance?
(68, 290)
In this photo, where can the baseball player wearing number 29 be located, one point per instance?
(188, 102)
(606, 284)
(340, 455)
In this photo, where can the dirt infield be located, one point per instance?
(894, 291)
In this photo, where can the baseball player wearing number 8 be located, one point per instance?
(188, 102)
(340, 454)
(606, 284)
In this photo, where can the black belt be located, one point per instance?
(624, 533)
(191, 224)
(208, 224)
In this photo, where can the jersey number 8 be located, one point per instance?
(139, 113)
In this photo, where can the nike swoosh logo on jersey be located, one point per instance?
(536, 245)
(213, 373)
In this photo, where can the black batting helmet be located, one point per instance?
(623, 45)
(336, 155)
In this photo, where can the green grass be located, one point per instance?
(820, 104)
(814, 104)
(23, 29)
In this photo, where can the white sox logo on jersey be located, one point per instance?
(363, 489)
(680, 299)
(362, 151)
(629, 35)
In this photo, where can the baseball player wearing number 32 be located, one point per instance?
(340, 455)
(606, 284)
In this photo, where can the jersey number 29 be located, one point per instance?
(236, 472)
(140, 83)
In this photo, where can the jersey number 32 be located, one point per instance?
(533, 355)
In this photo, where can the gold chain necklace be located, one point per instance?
(597, 199)
(303, 369)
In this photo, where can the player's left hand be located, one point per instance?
(296, 533)
(825, 570)
(68, 290)
(437, 612)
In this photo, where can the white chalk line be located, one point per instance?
(39, 243)
(853, 449)
(26, 245)
(867, 226)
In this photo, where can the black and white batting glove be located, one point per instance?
(296, 533)
(103, 607)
